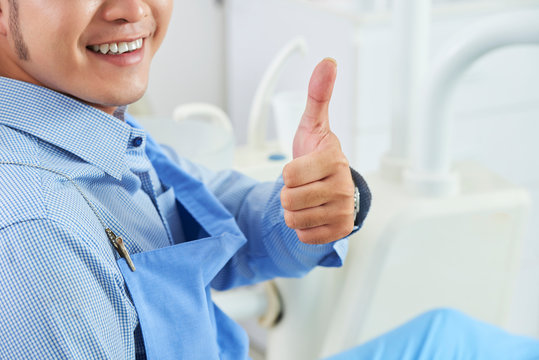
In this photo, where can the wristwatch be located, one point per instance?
(357, 204)
(362, 198)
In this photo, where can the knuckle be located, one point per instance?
(348, 228)
(347, 211)
(290, 219)
(286, 202)
(342, 162)
(342, 223)
(307, 239)
(334, 153)
(343, 189)
(290, 176)
(339, 163)
(340, 231)
(303, 237)
(286, 174)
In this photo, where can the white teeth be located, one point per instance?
(122, 47)
(132, 46)
(104, 48)
(118, 48)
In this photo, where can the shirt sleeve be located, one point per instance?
(55, 297)
(273, 249)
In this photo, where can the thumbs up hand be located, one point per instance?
(318, 196)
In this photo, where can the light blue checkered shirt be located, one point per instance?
(62, 295)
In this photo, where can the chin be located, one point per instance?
(120, 98)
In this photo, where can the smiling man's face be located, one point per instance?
(98, 51)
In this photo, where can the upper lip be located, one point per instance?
(125, 39)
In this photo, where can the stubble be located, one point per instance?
(15, 26)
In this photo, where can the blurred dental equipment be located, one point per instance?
(260, 107)
(415, 252)
(261, 302)
(480, 213)
(430, 171)
(372, 5)
(200, 132)
(411, 34)
(260, 158)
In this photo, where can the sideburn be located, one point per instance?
(15, 26)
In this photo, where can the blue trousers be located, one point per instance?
(445, 334)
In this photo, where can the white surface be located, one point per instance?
(190, 66)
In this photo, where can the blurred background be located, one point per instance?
(436, 103)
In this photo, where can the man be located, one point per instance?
(108, 248)
(82, 186)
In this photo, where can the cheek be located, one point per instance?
(162, 13)
(166, 8)
(56, 24)
(57, 55)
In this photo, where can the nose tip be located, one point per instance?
(124, 10)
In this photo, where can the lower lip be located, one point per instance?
(125, 59)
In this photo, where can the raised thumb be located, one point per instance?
(320, 89)
(314, 124)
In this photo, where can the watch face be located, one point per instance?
(362, 199)
(357, 198)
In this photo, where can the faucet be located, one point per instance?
(260, 106)
(429, 171)
(411, 38)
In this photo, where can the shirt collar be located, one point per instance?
(93, 135)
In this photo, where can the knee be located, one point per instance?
(445, 314)
(446, 321)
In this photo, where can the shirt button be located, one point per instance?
(137, 141)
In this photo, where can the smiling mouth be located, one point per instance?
(117, 48)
